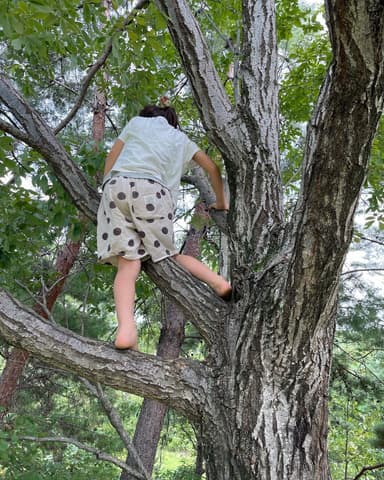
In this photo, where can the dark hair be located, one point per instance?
(167, 112)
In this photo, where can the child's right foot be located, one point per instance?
(224, 290)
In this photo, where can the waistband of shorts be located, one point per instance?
(133, 175)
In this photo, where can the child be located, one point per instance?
(140, 187)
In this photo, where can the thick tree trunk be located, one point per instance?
(269, 403)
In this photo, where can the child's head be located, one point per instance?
(166, 112)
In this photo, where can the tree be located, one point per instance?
(259, 401)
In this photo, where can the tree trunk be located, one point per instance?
(152, 413)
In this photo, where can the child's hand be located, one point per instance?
(219, 206)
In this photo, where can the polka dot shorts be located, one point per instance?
(134, 221)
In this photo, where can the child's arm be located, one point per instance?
(112, 155)
(216, 181)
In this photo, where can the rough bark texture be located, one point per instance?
(259, 400)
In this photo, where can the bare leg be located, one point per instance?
(204, 273)
(124, 292)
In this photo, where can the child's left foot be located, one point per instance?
(126, 339)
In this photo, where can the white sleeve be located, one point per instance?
(125, 132)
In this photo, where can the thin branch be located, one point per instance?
(99, 454)
(200, 181)
(97, 66)
(116, 422)
(361, 362)
(372, 240)
(368, 469)
(42, 305)
(14, 131)
(363, 270)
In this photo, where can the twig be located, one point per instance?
(116, 422)
(14, 131)
(373, 241)
(361, 362)
(368, 469)
(363, 270)
(96, 67)
(100, 455)
(40, 304)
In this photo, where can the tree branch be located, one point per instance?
(200, 304)
(200, 181)
(12, 130)
(97, 66)
(117, 424)
(39, 136)
(337, 150)
(181, 384)
(99, 454)
(368, 469)
(357, 270)
(258, 73)
(209, 93)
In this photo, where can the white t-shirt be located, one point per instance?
(155, 150)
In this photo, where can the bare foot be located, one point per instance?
(224, 290)
(126, 339)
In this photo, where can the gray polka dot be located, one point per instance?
(121, 196)
(132, 184)
(150, 220)
(141, 251)
(131, 243)
(108, 220)
(105, 236)
(167, 252)
(162, 192)
(117, 231)
(112, 205)
(150, 207)
(135, 194)
(113, 182)
(170, 216)
(141, 234)
(122, 253)
(109, 248)
(156, 243)
(164, 230)
(158, 194)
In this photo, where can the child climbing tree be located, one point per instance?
(259, 400)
